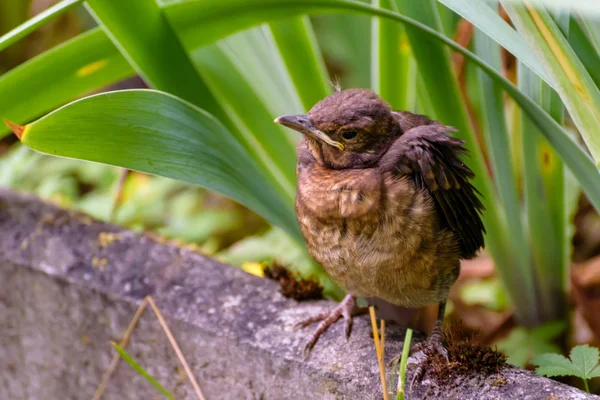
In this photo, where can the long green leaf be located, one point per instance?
(545, 197)
(571, 80)
(392, 69)
(83, 64)
(152, 47)
(157, 133)
(12, 15)
(256, 56)
(544, 204)
(480, 14)
(299, 48)
(264, 140)
(34, 23)
(587, 49)
(512, 260)
(345, 41)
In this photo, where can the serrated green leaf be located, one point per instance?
(595, 373)
(554, 365)
(584, 359)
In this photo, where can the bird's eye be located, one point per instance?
(349, 135)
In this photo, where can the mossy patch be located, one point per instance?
(292, 285)
(466, 358)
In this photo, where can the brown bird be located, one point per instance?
(384, 203)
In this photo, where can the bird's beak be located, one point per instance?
(302, 124)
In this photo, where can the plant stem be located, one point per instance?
(403, 361)
(585, 385)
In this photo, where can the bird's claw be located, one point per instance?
(344, 309)
(427, 350)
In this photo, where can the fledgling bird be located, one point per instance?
(385, 204)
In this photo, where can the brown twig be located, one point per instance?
(382, 329)
(163, 323)
(379, 350)
(175, 346)
(116, 357)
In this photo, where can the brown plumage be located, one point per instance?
(384, 202)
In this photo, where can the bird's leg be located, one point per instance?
(432, 345)
(345, 309)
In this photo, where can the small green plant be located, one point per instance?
(583, 364)
(400, 390)
(523, 343)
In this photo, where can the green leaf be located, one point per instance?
(393, 75)
(256, 57)
(554, 365)
(587, 49)
(595, 373)
(13, 13)
(142, 372)
(299, 48)
(543, 175)
(266, 141)
(152, 47)
(576, 88)
(522, 344)
(83, 64)
(480, 14)
(583, 363)
(34, 23)
(513, 259)
(345, 41)
(157, 133)
(585, 359)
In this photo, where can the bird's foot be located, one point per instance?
(345, 309)
(426, 351)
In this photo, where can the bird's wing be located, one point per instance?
(432, 158)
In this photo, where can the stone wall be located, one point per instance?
(69, 285)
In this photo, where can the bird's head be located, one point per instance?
(348, 129)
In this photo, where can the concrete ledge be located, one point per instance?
(69, 285)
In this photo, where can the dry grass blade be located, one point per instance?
(163, 323)
(382, 329)
(379, 350)
(116, 358)
(186, 367)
